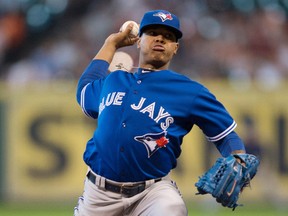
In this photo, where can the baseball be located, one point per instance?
(135, 30)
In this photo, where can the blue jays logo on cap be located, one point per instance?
(163, 18)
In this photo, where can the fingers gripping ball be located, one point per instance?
(135, 30)
(227, 178)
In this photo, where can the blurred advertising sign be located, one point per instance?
(46, 134)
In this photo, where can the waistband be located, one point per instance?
(128, 189)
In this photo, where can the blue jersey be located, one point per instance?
(142, 119)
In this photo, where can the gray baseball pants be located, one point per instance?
(160, 198)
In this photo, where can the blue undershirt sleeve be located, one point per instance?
(97, 69)
(229, 144)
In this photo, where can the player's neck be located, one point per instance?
(154, 67)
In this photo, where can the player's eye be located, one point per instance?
(165, 34)
(169, 36)
(151, 33)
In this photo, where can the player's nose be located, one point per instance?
(159, 38)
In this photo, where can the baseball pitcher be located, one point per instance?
(142, 119)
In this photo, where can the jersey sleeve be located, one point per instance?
(89, 101)
(211, 116)
(89, 87)
(230, 143)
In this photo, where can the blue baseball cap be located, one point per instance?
(163, 18)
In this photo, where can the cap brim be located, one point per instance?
(177, 33)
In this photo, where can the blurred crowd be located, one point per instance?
(239, 40)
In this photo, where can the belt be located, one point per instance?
(128, 190)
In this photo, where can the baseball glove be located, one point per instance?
(227, 178)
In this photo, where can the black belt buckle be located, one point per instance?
(127, 190)
(130, 191)
(124, 189)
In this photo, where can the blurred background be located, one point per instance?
(237, 48)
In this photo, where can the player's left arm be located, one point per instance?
(230, 174)
(216, 123)
(230, 144)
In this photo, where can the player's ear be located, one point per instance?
(176, 48)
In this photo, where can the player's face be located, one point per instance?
(157, 47)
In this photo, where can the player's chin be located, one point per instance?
(163, 56)
(160, 57)
(158, 62)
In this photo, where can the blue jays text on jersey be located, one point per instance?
(142, 119)
(115, 99)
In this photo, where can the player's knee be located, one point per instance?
(176, 208)
(170, 204)
(168, 201)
